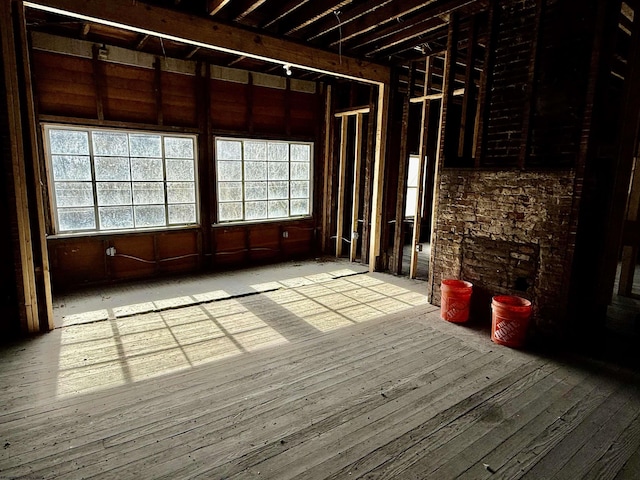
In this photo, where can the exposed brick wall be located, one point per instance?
(507, 232)
(513, 50)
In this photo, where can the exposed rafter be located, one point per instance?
(214, 6)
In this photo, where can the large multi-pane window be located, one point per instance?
(106, 180)
(260, 180)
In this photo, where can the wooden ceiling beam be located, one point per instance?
(208, 34)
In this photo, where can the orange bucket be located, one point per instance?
(509, 320)
(456, 296)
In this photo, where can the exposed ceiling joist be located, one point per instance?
(247, 8)
(208, 34)
(286, 8)
(330, 24)
(311, 13)
(214, 6)
(394, 13)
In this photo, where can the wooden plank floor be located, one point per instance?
(344, 376)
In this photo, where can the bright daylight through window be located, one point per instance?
(260, 180)
(105, 180)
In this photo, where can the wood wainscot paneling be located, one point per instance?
(135, 257)
(230, 245)
(178, 251)
(77, 261)
(264, 241)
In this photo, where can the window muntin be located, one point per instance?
(262, 179)
(105, 180)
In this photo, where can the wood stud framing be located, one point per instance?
(356, 187)
(25, 271)
(342, 179)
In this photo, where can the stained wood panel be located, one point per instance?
(64, 85)
(304, 113)
(141, 247)
(179, 102)
(76, 261)
(129, 93)
(264, 241)
(230, 245)
(178, 251)
(268, 110)
(228, 105)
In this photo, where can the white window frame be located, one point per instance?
(244, 219)
(47, 127)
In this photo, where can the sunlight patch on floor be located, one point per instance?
(107, 348)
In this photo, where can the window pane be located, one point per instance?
(278, 171)
(299, 189)
(278, 190)
(181, 192)
(148, 193)
(142, 145)
(299, 207)
(230, 191)
(278, 152)
(115, 217)
(228, 150)
(180, 170)
(177, 147)
(411, 202)
(299, 171)
(181, 214)
(113, 193)
(300, 153)
(255, 171)
(150, 216)
(255, 150)
(70, 142)
(255, 191)
(74, 194)
(69, 167)
(230, 211)
(412, 175)
(110, 143)
(230, 171)
(256, 210)
(278, 208)
(147, 169)
(76, 219)
(112, 168)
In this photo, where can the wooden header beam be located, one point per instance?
(206, 33)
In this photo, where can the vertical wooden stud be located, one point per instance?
(98, 81)
(382, 111)
(43, 275)
(356, 187)
(157, 87)
(342, 175)
(368, 169)
(25, 277)
(398, 242)
(327, 211)
(469, 90)
(422, 155)
(447, 79)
